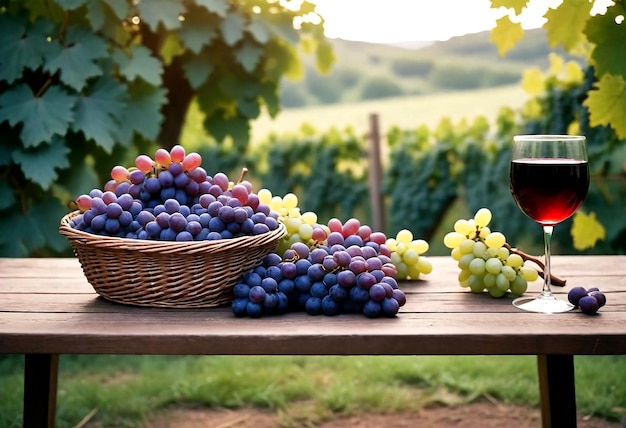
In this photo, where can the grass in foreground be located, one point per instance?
(126, 390)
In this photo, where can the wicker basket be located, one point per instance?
(167, 274)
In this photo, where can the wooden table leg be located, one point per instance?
(40, 390)
(557, 390)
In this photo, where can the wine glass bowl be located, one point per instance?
(549, 179)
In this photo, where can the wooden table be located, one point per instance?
(47, 308)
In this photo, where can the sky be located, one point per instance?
(391, 21)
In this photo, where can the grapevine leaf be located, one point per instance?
(220, 126)
(153, 12)
(248, 55)
(561, 21)
(247, 96)
(259, 30)
(506, 34)
(140, 64)
(171, 48)
(47, 215)
(36, 229)
(120, 8)
(39, 164)
(96, 14)
(79, 179)
(232, 28)
(284, 62)
(75, 58)
(533, 81)
(198, 69)
(143, 112)
(586, 230)
(608, 38)
(23, 235)
(574, 74)
(248, 107)
(218, 7)
(97, 111)
(325, 56)
(198, 29)
(516, 5)
(557, 63)
(607, 103)
(14, 56)
(38, 9)
(269, 92)
(532, 109)
(70, 4)
(211, 97)
(21, 47)
(97, 11)
(7, 199)
(282, 26)
(41, 117)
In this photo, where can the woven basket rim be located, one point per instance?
(149, 246)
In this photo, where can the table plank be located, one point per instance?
(216, 332)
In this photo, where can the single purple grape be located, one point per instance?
(377, 292)
(177, 222)
(599, 296)
(588, 305)
(575, 294)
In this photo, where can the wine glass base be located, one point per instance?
(541, 304)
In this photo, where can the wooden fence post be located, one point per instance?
(375, 175)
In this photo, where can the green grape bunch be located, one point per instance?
(301, 226)
(485, 259)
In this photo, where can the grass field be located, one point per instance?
(125, 390)
(406, 112)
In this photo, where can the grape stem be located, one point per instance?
(244, 170)
(554, 280)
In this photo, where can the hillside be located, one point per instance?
(367, 71)
(533, 49)
(408, 112)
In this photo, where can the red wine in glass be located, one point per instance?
(549, 178)
(549, 190)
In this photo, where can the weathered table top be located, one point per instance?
(47, 306)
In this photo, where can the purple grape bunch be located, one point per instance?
(171, 198)
(344, 276)
(588, 300)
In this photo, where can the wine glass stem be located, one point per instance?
(547, 238)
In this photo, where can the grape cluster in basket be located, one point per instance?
(171, 198)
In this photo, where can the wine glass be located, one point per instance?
(549, 179)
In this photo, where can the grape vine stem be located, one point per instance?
(244, 170)
(554, 280)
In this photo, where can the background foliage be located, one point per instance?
(88, 84)
(602, 36)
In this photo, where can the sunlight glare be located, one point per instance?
(420, 20)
